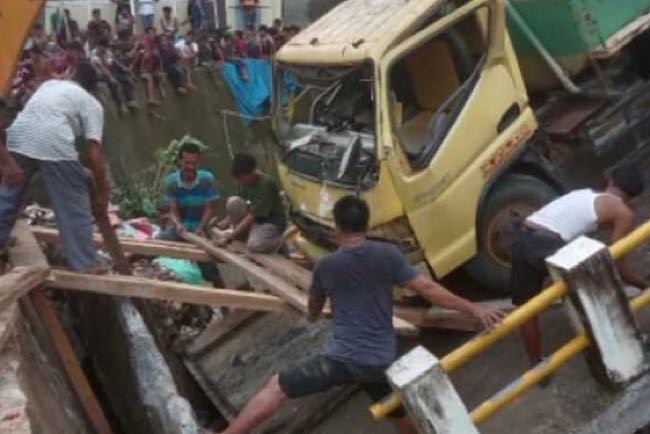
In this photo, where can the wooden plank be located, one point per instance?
(424, 317)
(19, 282)
(71, 365)
(128, 286)
(438, 317)
(138, 247)
(30, 266)
(275, 284)
(26, 250)
(278, 265)
(8, 319)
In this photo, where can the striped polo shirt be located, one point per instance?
(58, 113)
(191, 199)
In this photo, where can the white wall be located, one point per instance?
(81, 10)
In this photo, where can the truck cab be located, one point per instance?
(421, 109)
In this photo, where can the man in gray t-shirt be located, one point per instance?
(358, 279)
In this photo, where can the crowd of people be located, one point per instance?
(133, 50)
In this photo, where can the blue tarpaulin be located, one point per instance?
(253, 94)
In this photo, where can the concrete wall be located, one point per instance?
(131, 140)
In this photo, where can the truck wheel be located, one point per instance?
(513, 199)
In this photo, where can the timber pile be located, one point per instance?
(279, 276)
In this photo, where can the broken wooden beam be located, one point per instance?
(288, 291)
(137, 287)
(139, 247)
(71, 364)
(438, 317)
(30, 266)
(19, 282)
(26, 254)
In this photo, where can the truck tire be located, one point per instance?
(513, 199)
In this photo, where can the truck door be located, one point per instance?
(455, 108)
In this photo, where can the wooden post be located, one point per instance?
(599, 307)
(428, 394)
(70, 363)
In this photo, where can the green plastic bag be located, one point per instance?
(185, 270)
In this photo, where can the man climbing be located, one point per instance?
(561, 221)
(190, 194)
(257, 212)
(358, 280)
(42, 139)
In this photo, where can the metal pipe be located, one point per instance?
(467, 351)
(632, 241)
(522, 384)
(539, 372)
(557, 69)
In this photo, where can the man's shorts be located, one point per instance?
(321, 373)
(529, 270)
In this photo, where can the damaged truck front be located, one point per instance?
(421, 109)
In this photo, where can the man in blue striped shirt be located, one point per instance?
(190, 194)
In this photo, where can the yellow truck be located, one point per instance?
(422, 108)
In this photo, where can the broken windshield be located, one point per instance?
(336, 98)
(324, 120)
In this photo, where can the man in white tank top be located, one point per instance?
(561, 221)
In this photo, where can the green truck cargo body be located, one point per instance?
(571, 30)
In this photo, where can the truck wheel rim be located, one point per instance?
(501, 231)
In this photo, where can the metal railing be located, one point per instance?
(541, 302)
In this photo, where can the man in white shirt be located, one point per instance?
(188, 51)
(146, 13)
(42, 139)
(558, 223)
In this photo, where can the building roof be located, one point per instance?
(356, 30)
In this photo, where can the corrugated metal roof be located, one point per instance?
(356, 28)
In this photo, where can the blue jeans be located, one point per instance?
(66, 184)
(146, 21)
(248, 18)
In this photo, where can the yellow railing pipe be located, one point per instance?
(630, 242)
(535, 375)
(467, 351)
(530, 379)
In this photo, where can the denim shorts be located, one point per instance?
(321, 373)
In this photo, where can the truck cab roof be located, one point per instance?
(357, 30)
